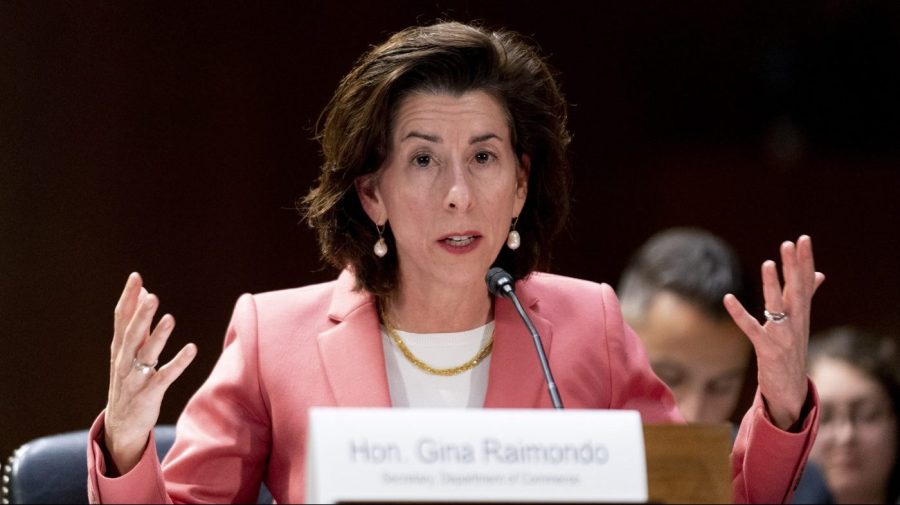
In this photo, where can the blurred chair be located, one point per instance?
(53, 469)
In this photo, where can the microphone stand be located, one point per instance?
(551, 384)
(500, 283)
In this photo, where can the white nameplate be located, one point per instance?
(512, 455)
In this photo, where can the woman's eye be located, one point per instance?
(869, 415)
(422, 160)
(483, 157)
(723, 388)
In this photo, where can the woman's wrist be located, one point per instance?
(789, 418)
(122, 456)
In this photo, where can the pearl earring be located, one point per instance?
(513, 240)
(381, 247)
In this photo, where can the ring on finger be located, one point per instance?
(142, 367)
(775, 317)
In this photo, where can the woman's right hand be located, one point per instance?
(136, 391)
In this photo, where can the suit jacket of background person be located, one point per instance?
(321, 345)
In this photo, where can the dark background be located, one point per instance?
(173, 138)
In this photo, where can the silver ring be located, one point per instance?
(775, 317)
(142, 367)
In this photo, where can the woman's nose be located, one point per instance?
(843, 431)
(459, 190)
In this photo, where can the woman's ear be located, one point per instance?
(370, 198)
(522, 172)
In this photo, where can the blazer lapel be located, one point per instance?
(351, 351)
(516, 379)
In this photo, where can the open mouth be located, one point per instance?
(459, 240)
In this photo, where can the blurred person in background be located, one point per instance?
(856, 375)
(671, 294)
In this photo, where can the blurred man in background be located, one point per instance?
(671, 294)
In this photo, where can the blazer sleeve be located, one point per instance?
(143, 484)
(223, 436)
(768, 462)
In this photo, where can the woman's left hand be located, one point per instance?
(781, 345)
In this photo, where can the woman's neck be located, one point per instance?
(445, 309)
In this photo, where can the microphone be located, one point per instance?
(500, 283)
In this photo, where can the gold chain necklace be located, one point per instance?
(425, 367)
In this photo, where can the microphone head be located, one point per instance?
(499, 282)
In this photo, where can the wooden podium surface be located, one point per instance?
(688, 463)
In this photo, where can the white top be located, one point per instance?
(411, 387)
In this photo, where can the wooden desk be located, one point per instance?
(688, 463)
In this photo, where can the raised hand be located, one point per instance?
(136, 387)
(781, 342)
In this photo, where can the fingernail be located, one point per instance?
(191, 350)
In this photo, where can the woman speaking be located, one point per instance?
(444, 155)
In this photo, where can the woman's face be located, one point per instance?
(449, 188)
(857, 441)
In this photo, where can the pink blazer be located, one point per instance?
(320, 345)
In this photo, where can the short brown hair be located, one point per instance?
(693, 263)
(446, 57)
